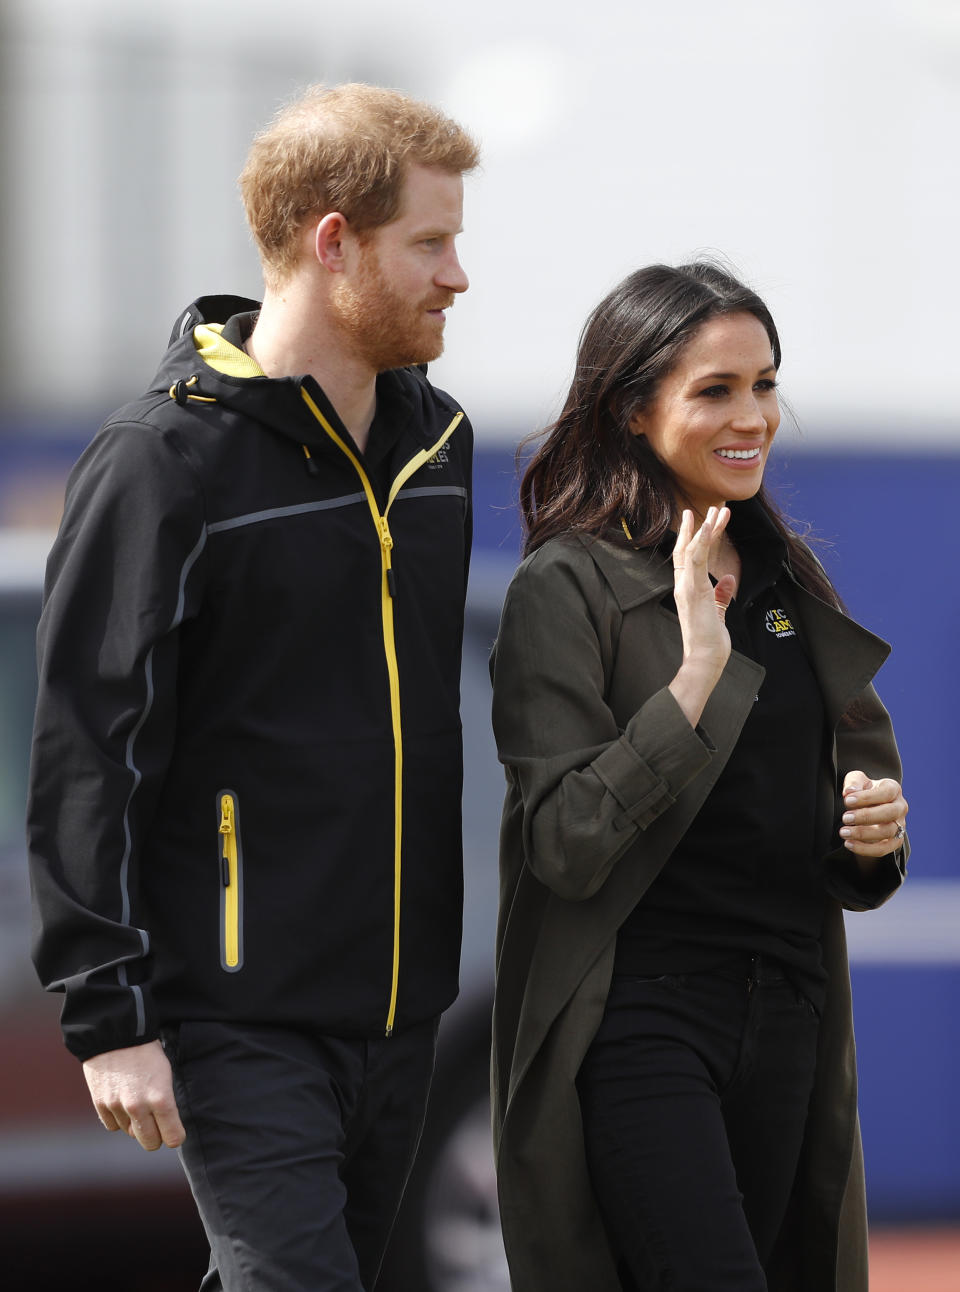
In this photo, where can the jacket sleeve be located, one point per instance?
(865, 742)
(586, 787)
(116, 592)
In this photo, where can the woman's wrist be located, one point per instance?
(693, 685)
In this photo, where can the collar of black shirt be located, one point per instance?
(762, 551)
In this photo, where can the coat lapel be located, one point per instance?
(845, 657)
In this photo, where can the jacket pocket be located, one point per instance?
(231, 881)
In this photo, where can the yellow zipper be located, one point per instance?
(387, 594)
(230, 951)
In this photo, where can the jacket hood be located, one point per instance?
(202, 367)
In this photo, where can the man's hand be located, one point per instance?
(132, 1091)
(873, 823)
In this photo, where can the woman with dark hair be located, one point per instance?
(699, 777)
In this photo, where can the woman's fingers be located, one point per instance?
(882, 848)
(858, 788)
(684, 535)
(724, 593)
(875, 815)
(700, 609)
(696, 543)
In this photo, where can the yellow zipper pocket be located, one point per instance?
(231, 882)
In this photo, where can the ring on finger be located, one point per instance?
(899, 832)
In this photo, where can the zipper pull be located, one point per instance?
(386, 542)
(226, 830)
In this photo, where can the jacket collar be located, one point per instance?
(415, 409)
(634, 576)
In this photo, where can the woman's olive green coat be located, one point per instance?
(604, 775)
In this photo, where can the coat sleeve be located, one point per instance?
(865, 741)
(587, 788)
(116, 592)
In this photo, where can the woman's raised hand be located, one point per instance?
(701, 608)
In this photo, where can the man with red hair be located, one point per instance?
(245, 795)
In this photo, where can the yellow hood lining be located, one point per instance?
(221, 355)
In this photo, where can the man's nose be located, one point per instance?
(452, 274)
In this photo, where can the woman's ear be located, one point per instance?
(635, 424)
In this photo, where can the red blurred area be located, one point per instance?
(915, 1260)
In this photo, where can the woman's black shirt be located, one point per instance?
(746, 877)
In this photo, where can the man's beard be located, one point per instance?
(387, 330)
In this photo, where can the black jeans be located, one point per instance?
(298, 1149)
(694, 1095)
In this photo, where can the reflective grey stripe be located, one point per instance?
(348, 500)
(138, 777)
(141, 1009)
(184, 574)
(254, 517)
(436, 491)
(62, 984)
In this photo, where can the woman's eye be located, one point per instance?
(714, 392)
(766, 385)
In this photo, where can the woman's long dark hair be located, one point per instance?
(591, 473)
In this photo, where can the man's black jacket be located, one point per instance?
(246, 776)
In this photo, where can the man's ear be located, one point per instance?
(328, 242)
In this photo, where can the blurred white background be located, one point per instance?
(813, 144)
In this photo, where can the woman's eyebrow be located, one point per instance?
(729, 376)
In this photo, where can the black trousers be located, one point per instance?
(298, 1149)
(694, 1096)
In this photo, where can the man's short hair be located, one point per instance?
(345, 148)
